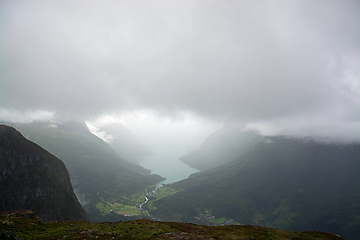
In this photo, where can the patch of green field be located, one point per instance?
(126, 209)
(103, 207)
(137, 198)
(159, 194)
(164, 192)
(118, 208)
(218, 220)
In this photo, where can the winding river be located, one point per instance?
(146, 200)
(166, 163)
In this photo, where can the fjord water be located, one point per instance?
(166, 163)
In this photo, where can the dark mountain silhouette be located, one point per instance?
(32, 178)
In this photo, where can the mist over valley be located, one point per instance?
(190, 114)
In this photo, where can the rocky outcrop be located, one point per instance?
(32, 178)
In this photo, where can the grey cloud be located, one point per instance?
(241, 61)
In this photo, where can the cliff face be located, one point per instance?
(96, 171)
(32, 178)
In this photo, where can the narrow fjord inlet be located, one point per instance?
(166, 163)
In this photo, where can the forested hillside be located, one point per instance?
(221, 147)
(280, 183)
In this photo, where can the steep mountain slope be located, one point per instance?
(125, 143)
(96, 171)
(32, 178)
(221, 148)
(280, 183)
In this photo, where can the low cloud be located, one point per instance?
(101, 134)
(27, 116)
(158, 132)
(290, 66)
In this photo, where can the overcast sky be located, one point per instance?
(283, 67)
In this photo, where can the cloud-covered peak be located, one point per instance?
(242, 61)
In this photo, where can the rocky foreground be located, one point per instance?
(26, 225)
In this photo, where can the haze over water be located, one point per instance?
(166, 163)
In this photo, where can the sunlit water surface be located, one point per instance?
(166, 163)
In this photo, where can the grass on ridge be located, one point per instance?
(31, 228)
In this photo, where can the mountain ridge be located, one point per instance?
(20, 227)
(32, 178)
(280, 182)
